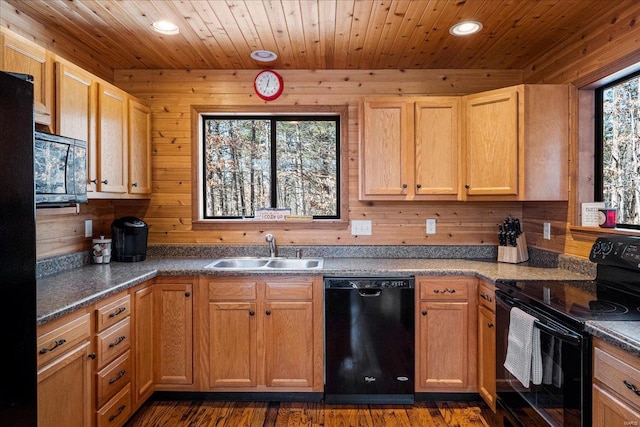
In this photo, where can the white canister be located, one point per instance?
(101, 250)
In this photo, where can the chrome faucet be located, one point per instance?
(273, 248)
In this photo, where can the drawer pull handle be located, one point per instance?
(117, 414)
(631, 387)
(120, 375)
(55, 345)
(117, 311)
(485, 296)
(445, 290)
(118, 341)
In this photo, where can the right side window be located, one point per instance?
(617, 160)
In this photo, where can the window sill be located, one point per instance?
(250, 224)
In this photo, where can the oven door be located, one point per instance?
(564, 396)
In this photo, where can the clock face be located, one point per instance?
(268, 85)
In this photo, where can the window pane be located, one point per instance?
(237, 167)
(621, 150)
(306, 155)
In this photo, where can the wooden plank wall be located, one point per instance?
(172, 93)
(583, 63)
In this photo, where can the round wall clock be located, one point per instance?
(268, 85)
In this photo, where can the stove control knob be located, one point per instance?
(597, 247)
(607, 247)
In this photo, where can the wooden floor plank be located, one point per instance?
(310, 414)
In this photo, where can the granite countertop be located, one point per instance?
(68, 291)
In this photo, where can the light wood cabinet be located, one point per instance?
(616, 381)
(265, 334)
(20, 55)
(143, 347)
(173, 328)
(65, 363)
(76, 109)
(516, 144)
(112, 139)
(446, 334)
(139, 145)
(409, 148)
(487, 343)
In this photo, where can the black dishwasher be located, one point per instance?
(369, 340)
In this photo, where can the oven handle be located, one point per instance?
(571, 338)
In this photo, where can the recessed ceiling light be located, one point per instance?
(264, 55)
(165, 27)
(465, 28)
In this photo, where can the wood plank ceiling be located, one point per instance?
(313, 34)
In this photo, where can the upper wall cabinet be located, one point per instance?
(516, 144)
(112, 139)
(19, 55)
(139, 148)
(409, 148)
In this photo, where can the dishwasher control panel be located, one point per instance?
(407, 282)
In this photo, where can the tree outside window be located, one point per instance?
(253, 162)
(619, 152)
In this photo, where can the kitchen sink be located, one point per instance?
(259, 263)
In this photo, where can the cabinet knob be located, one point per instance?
(187, 294)
(418, 186)
(135, 184)
(490, 325)
(94, 181)
(105, 182)
(424, 312)
(466, 186)
(268, 312)
(252, 313)
(92, 356)
(404, 185)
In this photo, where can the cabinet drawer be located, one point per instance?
(117, 411)
(112, 378)
(111, 313)
(235, 289)
(63, 338)
(487, 296)
(617, 374)
(289, 288)
(113, 342)
(447, 289)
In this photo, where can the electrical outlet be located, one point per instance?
(431, 226)
(361, 228)
(88, 228)
(546, 230)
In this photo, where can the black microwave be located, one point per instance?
(60, 167)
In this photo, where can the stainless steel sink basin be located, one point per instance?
(250, 263)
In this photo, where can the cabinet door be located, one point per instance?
(112, 139)
(75, 112)
(443, 338)
(289, 343)
(609, 410)
(437, 136)
(487, 356)
(64, 390)
(233, 342)
(173, 324)
(385, 151)
(18, 55)
(143, 344)
(492, 142)
(139, 148)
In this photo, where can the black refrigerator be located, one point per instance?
(18, 382)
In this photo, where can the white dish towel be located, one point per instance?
(524, 359)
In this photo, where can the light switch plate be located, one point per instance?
(88, 228)
(546, 230)
(361, 228)
(431, 226)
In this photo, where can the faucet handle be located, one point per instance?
(269, 238)
(298, 253)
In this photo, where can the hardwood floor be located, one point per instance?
(263, 414)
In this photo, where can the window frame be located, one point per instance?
(598, 167)
(198, 112)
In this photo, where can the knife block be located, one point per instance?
(514, 254)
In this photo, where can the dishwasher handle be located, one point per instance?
(367, 293)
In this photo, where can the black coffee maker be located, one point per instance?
(129, 235)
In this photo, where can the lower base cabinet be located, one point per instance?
(265, 334)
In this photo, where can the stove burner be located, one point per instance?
(599, 307)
